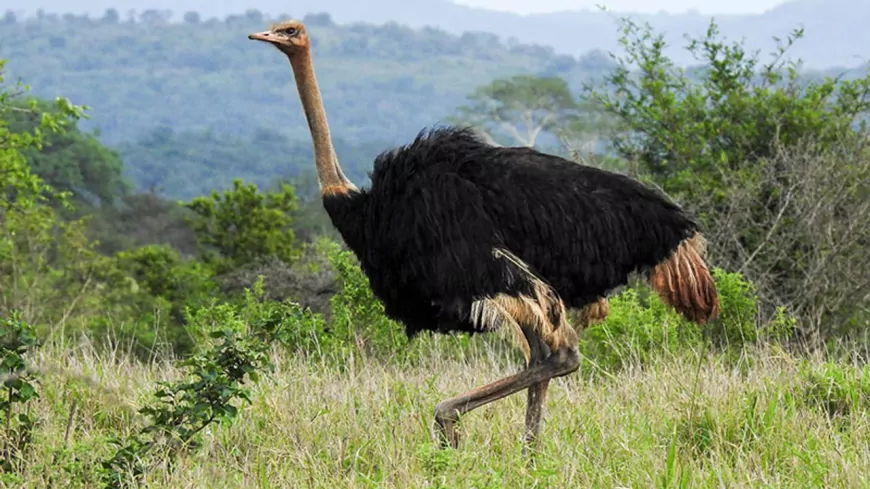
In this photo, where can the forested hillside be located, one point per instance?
(167, 95)
(835, 32)
(379, 82)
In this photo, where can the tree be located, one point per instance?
(525, 107)
(243, 225)
(774, 165)
(111, 16)
(69, 160)
(522, 107)
(191, 17)
(47, 265)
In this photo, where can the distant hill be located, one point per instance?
(835, 29)
(190, 106)
(381, 83)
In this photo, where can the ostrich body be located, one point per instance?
(458, 235)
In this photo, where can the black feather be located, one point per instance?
(424, 232)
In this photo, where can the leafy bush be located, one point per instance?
(233, 346)
(70, 161)
(687, 131)
(157, 285)
(241, 225)
(769, 160)
(640, 327)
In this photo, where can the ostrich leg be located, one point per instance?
(539, 351)
(562, 361)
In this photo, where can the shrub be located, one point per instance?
(640, 327)
(156, 285)
(17, 342)
(233, 343)
(241, 225)
(769, 160)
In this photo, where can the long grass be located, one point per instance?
(769, 419)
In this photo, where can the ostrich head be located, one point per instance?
(289, 37)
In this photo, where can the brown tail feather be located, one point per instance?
(593, 313)
(684, 282)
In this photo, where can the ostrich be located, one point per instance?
(458, 235)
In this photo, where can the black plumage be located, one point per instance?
(425, 229)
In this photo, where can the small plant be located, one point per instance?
(17, 339)
(233, 355)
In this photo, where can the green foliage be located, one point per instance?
(49, 267)
(233, 354)
(17, 341)
(737, 324)
(21, 188)
(640, 327)
(159, 285)
(139, 219)
(69, 161)
(161, 272)
(242, 224)
(836, 390)
(689, 133)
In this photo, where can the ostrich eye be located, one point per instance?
(290, 31)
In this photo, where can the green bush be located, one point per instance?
(156, 285)
(767, 158)
(233, 346)
(242, 224)
(689, 129)
(19, 387)
(641, 327)
(357, 318)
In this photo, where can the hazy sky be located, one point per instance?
(652, 6)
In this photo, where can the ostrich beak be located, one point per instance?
(261, 36)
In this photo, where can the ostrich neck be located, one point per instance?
(332, 179)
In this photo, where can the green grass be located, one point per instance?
(769, 420)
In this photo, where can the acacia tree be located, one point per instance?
(521, 108)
